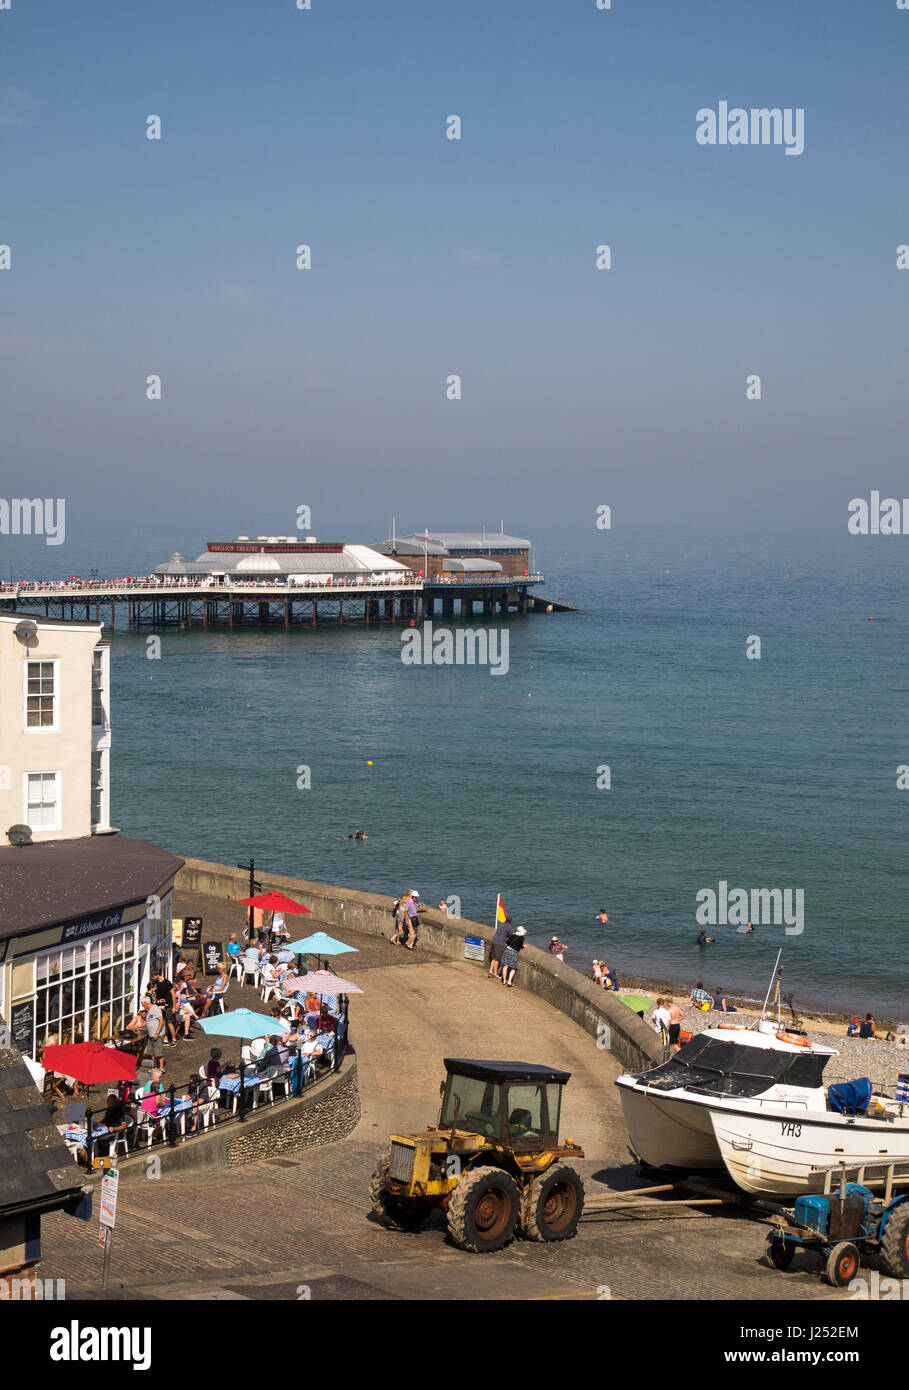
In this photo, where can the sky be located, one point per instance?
(431, 257)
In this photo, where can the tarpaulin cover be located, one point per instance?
(850, 1097)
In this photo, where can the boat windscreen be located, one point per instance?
(727, 1068)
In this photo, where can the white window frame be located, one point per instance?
(58, 800)
(53, 728)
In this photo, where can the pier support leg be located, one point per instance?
(389, 610)
(287, 612)
(315, 612)
(341, 611)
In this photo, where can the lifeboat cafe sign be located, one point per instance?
(90, 926)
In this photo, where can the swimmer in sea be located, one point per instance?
(704, 939)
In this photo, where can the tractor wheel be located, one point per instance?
(390, 1210)
(895, 1245)
(780, 1252)
(483, 1210)
(842, 1264)
(558, 1205)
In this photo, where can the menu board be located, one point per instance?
(192, 931)
(22, 1023)
(211, 953)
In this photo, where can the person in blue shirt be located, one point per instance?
(233, 946)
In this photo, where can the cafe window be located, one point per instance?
(41, 694)
(85, 991)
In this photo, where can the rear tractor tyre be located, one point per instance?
(558, 1205)
(390, 1210)
(895, 1245)
(843, 1264)
(483, 1210)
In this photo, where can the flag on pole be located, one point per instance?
(501, 915)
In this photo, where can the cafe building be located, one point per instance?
(83, 923)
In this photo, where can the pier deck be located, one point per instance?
(179, 602)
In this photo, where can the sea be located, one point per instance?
(633, 757)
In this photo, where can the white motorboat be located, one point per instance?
(668, 1108)
(751, 1100)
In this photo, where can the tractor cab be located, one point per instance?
(516, 1104)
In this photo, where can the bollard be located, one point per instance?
(241, 1108)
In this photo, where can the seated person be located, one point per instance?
(184, 1011)
(286, 957)
(189, 973)
(233, 946)
(699, 996)
(213, 1068)
(867, 1028)
(197, 1091)
(136, 1024)
(721, 1002)
(115, 1121)
(312, 1004)
(853, 1029)
(216, 990)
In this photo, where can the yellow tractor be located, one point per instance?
(492, 1162)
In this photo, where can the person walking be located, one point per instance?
(412, 918)
(400, 913)
(513, 945)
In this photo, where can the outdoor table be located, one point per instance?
(180, 1109)
(231, 1084)
(77, 1134)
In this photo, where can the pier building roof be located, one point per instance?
(279, 555)
(446, 542)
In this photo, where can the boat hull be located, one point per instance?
(668, 1132)
(772, 1152)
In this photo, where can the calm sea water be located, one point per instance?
(772, 773)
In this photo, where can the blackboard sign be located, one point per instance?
(211, 954)
(22, 1023)
(192, 931)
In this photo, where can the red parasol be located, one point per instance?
(274, 902)
(89, 1062)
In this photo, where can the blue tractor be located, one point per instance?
(844, 1226)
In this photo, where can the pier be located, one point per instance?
(156, 601)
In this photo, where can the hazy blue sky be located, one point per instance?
(433, 256)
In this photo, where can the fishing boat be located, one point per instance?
(751, 1100)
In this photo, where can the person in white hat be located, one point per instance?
(514, 944)
(412, 918)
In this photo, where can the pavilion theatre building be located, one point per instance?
(83, 922)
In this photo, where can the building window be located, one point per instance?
(85, 991)
(98, 719)
(41, 695)
(97, 787)
(42, 800)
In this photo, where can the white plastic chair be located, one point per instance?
(270, 988)
(236, 965)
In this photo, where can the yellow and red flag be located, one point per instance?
(501, 914)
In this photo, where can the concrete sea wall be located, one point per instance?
(619, 1031)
